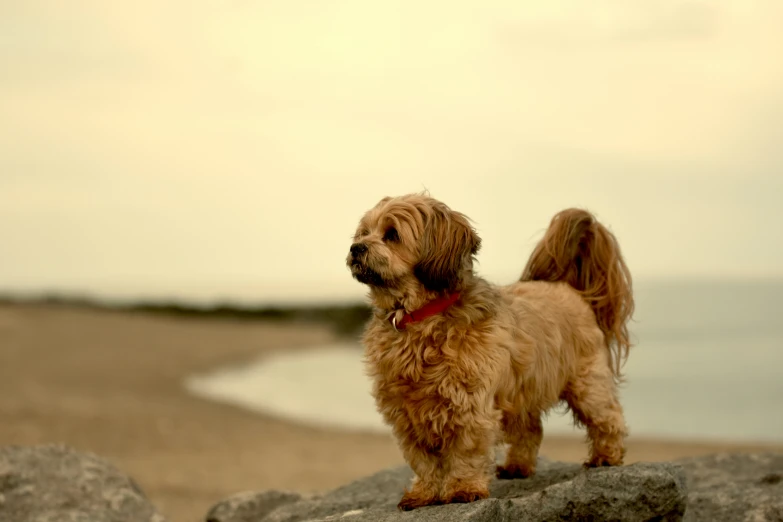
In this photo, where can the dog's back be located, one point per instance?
(555, 332)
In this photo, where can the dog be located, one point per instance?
(460, 365)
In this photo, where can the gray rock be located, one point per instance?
(735, 487)
(249, 506)
(54, 483)
(558, 491)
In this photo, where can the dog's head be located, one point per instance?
(413, 241)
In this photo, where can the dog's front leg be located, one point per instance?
(468, 462)
(425, 489)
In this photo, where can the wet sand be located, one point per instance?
(111, 383)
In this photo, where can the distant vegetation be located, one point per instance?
(346, 320)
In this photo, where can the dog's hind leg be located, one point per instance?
(523, 432)
(592, 396)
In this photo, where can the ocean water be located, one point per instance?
(707, 364)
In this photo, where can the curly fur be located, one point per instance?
(455, 384)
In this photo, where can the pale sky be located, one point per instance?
(228, 149)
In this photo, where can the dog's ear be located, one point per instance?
(447, 248)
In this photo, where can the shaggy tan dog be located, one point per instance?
(460, 365)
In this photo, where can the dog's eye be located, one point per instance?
(391, 235)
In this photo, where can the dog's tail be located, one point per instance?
(578, 250)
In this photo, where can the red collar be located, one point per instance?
(435, 306)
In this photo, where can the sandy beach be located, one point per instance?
(111, 383)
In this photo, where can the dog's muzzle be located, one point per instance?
(357, 250)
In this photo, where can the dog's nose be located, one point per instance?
(358, 249)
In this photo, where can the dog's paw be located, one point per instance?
(514, 472)
(464, 497)
(410, 502)
(600, 461)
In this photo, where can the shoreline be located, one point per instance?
(112, 383)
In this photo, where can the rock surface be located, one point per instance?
(735, 487)
(558, 491)
(723, 487)
(54, 483)
(250, 506)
